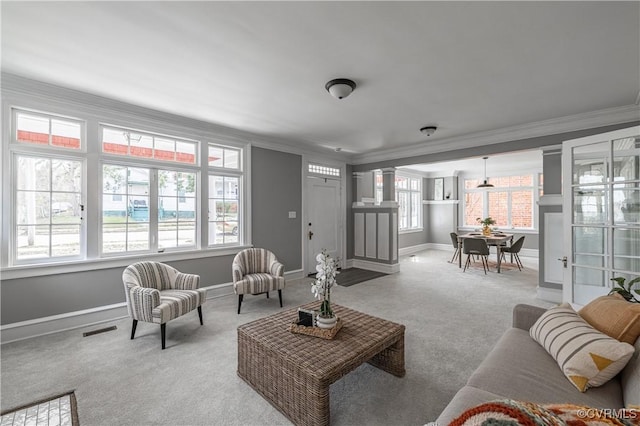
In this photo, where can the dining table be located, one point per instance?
(496, 238)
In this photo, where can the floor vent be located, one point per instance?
(102, 330)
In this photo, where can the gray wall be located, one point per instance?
(276, 189)
(36, 297)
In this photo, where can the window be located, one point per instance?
(118, 141)
(409, 197)
(148, 207)
(46, 130)
(225, 190)
(125, 209)
(319, 169)
(151, 191)
(48, 208)
(510, 202)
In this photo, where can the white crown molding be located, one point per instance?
(605, 117)
(65, 97)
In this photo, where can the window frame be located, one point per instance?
(378, 189)
(91, 119)
(411, 193)
(535, 196)
(13, 225)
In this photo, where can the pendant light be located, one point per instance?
(485, 184)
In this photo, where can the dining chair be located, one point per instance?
(456, 247)
(477, 247)
(514, 249)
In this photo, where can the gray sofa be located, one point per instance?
(519, 368)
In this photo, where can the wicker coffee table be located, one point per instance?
(293, 371)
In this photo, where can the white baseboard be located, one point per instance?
(550, 294)
(348, 264)
(72, 320)
(294, 275)
(413, 249)
(56, 323)
(377, 267)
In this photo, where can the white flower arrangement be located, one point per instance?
(327, 269)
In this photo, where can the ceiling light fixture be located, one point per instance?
(429, 130)
(340, 88)
(485, 184)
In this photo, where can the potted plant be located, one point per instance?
(625, 289)
(327, 269)
(486, 223)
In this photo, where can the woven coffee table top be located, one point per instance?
(361, 337)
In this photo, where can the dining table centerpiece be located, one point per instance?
(486, 225)
(326, 271)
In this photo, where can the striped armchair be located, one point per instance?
(257, 271)
(158, 293)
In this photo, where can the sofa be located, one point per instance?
(519, 368)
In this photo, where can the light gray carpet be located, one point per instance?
(452, 320)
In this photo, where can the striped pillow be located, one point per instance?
(586, 356)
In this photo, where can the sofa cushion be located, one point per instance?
(519, 368)
(630, 379)
(614, 316)
(586, 356)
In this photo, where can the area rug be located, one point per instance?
(58, 410)
(350, 276)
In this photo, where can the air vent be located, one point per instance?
(101, 330)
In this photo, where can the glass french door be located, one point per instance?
(601, 206)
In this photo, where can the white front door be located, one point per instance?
(323, 219)
(601, 207)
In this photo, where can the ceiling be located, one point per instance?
(261, 67)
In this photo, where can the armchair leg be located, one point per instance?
(267, 294)
(280, 297)
(239, 302)
(163, 333)
(200, 314)
(133, 328)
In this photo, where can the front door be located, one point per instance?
(601, 208)
(323, 219)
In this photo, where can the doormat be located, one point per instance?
(351, 276)
(59, 410)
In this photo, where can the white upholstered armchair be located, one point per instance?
(158, 293)
(257, 271)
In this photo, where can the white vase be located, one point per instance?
(326, 322)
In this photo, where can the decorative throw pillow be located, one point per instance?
(614, 316)
(586, 356)
(510, 412)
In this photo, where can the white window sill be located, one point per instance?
(37, 270)
(411, 231)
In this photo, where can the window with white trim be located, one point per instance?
(510, 202)
(321, 169)
(409, 197)
(47, 188)
(225, 195)
(150, 205)
(150, 191)
(48, 208)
